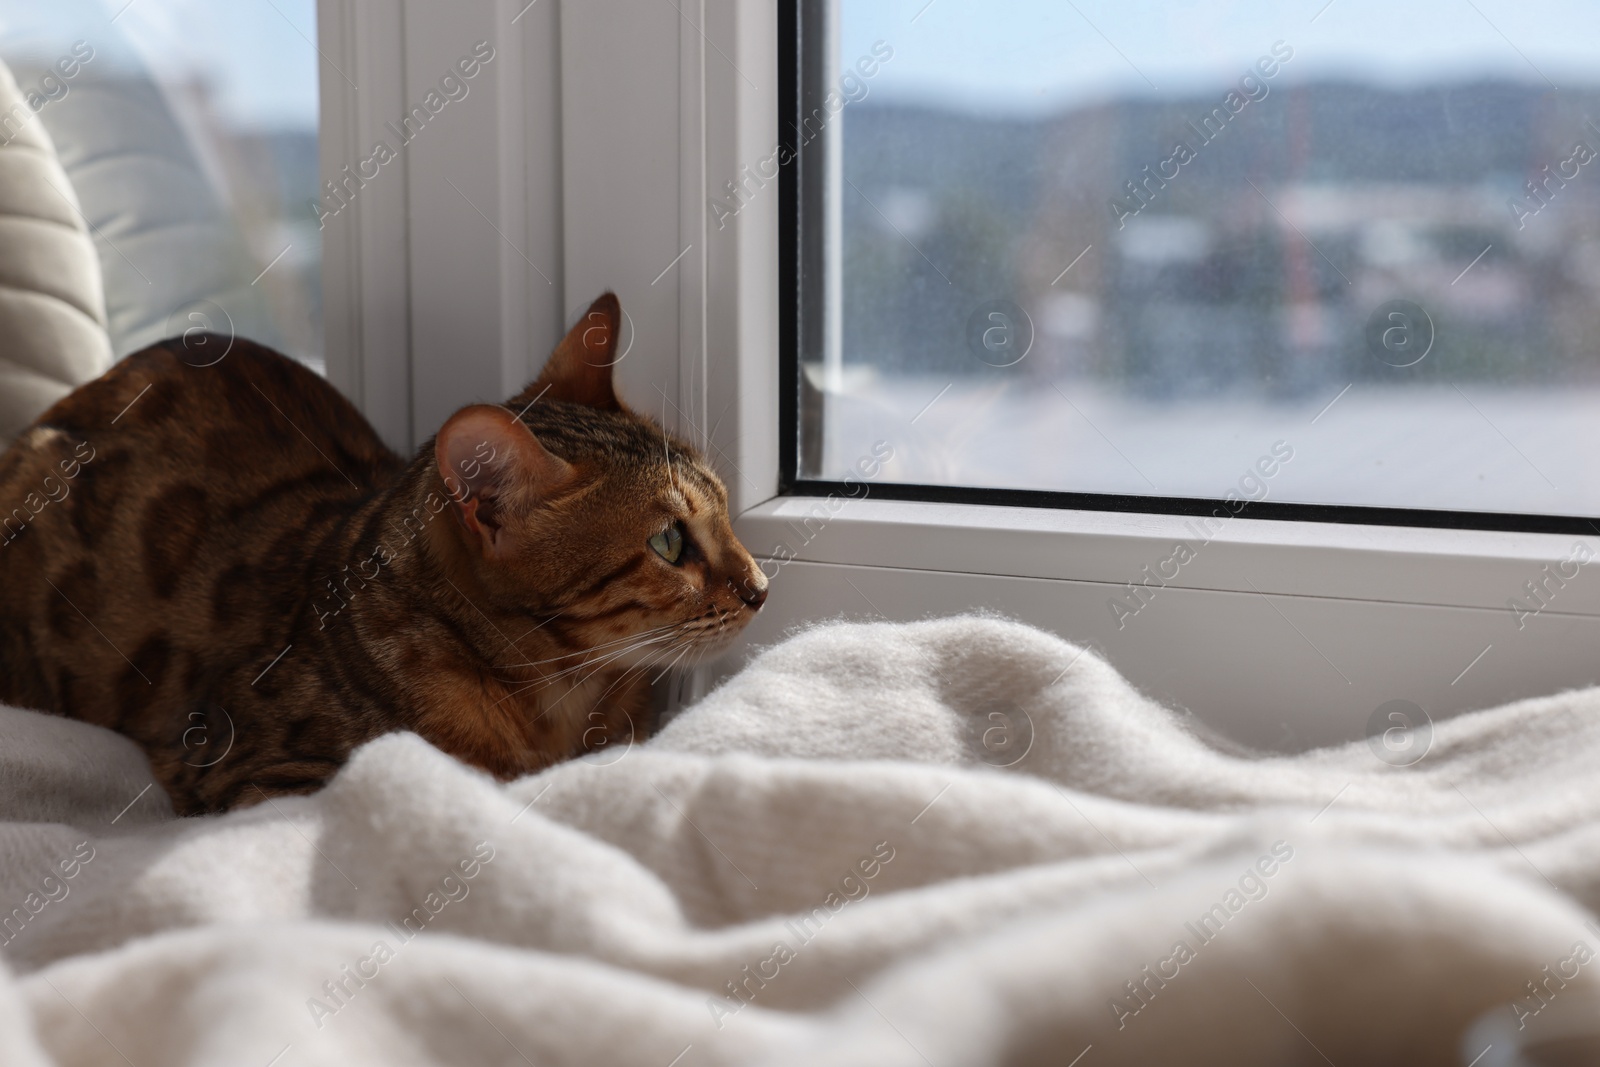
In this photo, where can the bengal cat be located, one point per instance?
(219, 558)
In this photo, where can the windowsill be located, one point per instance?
(1385, 564)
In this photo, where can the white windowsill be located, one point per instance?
(1386, 564)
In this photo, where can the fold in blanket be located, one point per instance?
(953, 842)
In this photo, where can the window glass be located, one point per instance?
(189, 131)
(1338, 252)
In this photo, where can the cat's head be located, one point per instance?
(571, 507)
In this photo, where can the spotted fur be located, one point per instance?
(222, 561)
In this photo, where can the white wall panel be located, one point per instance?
(444, 277)
(365, 276)
(621, 178)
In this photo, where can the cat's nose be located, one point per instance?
(750, 593)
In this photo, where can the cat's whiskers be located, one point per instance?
(666, 448)
(653, 657)
(545, 681)
(606, 658)
(698, 636)
(674, 663)
(623, 677)
(516, 646)
(539, 669)
(645, 640)
(579, 684)
(628, 673)
(591, 648)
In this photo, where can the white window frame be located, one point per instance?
(604, 130)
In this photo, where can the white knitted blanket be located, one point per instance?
(827, 861)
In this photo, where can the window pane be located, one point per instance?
(1134, 247)
(190, 136)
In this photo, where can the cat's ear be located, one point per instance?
(579, 371)
(493, 468)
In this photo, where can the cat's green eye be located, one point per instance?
(669, 543)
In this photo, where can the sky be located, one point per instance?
(1030, 56)
(1009, 56)
(258, 53)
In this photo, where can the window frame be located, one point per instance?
(1335, 573)
(802, 257)
(603, 171)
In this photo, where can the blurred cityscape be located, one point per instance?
(1257, 267)
(1244, 279)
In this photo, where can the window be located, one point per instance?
(189, 130)
(1338, 258)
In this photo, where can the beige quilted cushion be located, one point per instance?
(52, 308)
